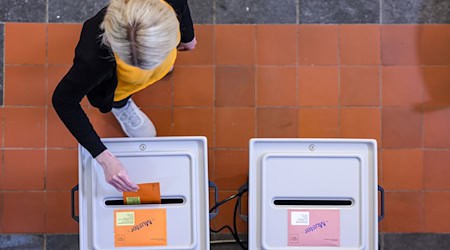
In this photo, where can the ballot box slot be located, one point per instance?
(307, 202)
(118, 201)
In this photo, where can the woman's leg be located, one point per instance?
(121, 103)
(133, 121)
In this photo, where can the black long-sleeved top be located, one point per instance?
(93, 74)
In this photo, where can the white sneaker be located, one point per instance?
(133, 121)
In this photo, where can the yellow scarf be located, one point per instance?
(133, 79)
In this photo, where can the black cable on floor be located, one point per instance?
(238, 240)
(234, 232)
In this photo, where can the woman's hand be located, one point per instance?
(115, 173)
(187, 46)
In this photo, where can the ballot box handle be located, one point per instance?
(75, 217)
(381, 190)
(242, 190)
(214, 213)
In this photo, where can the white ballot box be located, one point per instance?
(181, 221)
(313, 194)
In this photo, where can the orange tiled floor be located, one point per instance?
(388, 82)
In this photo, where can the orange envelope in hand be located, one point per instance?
(148, 193)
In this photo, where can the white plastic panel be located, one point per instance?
(179, 164)
(312, 169)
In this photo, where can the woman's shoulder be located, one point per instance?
(97, 19)
(90, 46)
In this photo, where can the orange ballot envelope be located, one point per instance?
(148, 193)
(140, 228)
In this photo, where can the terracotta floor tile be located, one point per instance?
(25, 85)
(203, 54)
(105, 125)
(2, 125)
(234, 127)
(433, 43)
(194, 86)
(318, 122)
(402, 127)
(318, 44)
(162, 118)
(57, 219)
(235, 86)
(318, 86)
(436, 170)
(360, 86)
(277, 122)
(404, 212)
(276, 44)
(194, 121)
(359, 44)
(276, 86)
(437, 207)
(23, 212)
(380, 166)
(24, 127)
(211, 166)
(399, 44)
(403, 169)
(58, 136)
(436, 128)
(402, 85)
(361, 123)
(62, 40)
(232, 51)
(23, 170)
(231, 168)
(20, 49)
(62, 169)
(436, 84)
(226, 211)
(159, 94)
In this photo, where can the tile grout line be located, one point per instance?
(2, 120)
(46, 10)
(2, 46)
(46, 125)
(297, 73)
(214, 111)
(214, 89)
(423, 200)
(4, 72)
(380, 87)
(255, 80)
(422, 120)
(339, 66)
(213, 171)
(214, 16)
(381, 11)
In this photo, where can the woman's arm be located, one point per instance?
(90, 68)
(66, 102)
(88, 71)
(188, 40)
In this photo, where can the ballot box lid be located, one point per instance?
(309, 193)
(178, 164)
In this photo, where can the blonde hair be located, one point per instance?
(141, 32)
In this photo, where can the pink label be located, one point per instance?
(314, 227)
